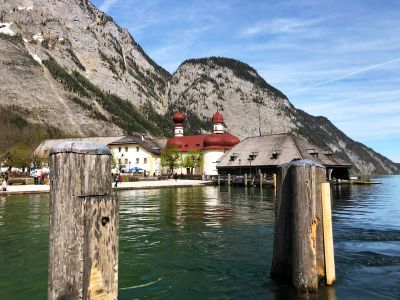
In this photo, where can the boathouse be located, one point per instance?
(264, 154)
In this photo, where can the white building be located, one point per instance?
(136, 152)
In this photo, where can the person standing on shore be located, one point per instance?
(4, 185)
(35, 178)
(116, 179)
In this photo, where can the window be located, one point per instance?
(276, 153)
(137, 149)
(126, 149)
(137, 160)
(233, 157)
(126, 161)
(313, 152)
(119, 149)
(145, 160)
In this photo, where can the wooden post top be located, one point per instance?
(81, 147)
(302, 163)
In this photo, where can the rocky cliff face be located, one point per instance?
(252, 107)
(80, 39)
(66, 65)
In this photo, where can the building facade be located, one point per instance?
(136, 153)
(212, 145)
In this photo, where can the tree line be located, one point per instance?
(19, 140)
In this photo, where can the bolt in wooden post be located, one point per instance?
(83, 242)
(229, 179)
(298, 242)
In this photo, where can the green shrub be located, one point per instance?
(62, 76)
(75, 59)
(109, 61)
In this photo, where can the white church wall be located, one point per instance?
(211, 158)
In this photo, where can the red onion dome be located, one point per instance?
(225, 140)
(231, 140)
(213, 140)
(176, 142)
(217, 118)
(178, 118)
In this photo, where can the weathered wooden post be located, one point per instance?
(219, 180)
(298, 254)
(261, 178)
(328, 235)
(229, 179)
(245, 179)
(83, 243)
(274, 177)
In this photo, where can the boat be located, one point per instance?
(365, 182)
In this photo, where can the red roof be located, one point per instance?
(204, 142)
(217, 118)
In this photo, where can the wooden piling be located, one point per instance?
(328, 236)
(229, 179)
(298, 253)
(245, 179)
(219, 180)
(274, 176)
(261, 179)
(83, 230)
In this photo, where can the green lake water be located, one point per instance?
(212, 243)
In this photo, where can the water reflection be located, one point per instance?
(213, 242)
(187, 239)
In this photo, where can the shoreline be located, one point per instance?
(123, 186)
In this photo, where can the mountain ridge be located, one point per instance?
(83, 74)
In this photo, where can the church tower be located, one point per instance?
(218, 123)
(179, 120)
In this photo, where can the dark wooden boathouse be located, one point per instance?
(263, 154)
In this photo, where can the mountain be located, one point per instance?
(77, 71)
(67, 69)
(236, 89)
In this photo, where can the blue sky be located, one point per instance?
(339, 59)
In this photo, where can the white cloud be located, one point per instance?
(371, 67)
(279, 25)
(107, 4)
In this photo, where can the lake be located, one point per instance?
(213, 243)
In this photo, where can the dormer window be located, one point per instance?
(313, 152)
(328, 153)
(233, 157)
(252, 156)
(276, 153)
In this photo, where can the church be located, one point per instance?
(212, 145)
